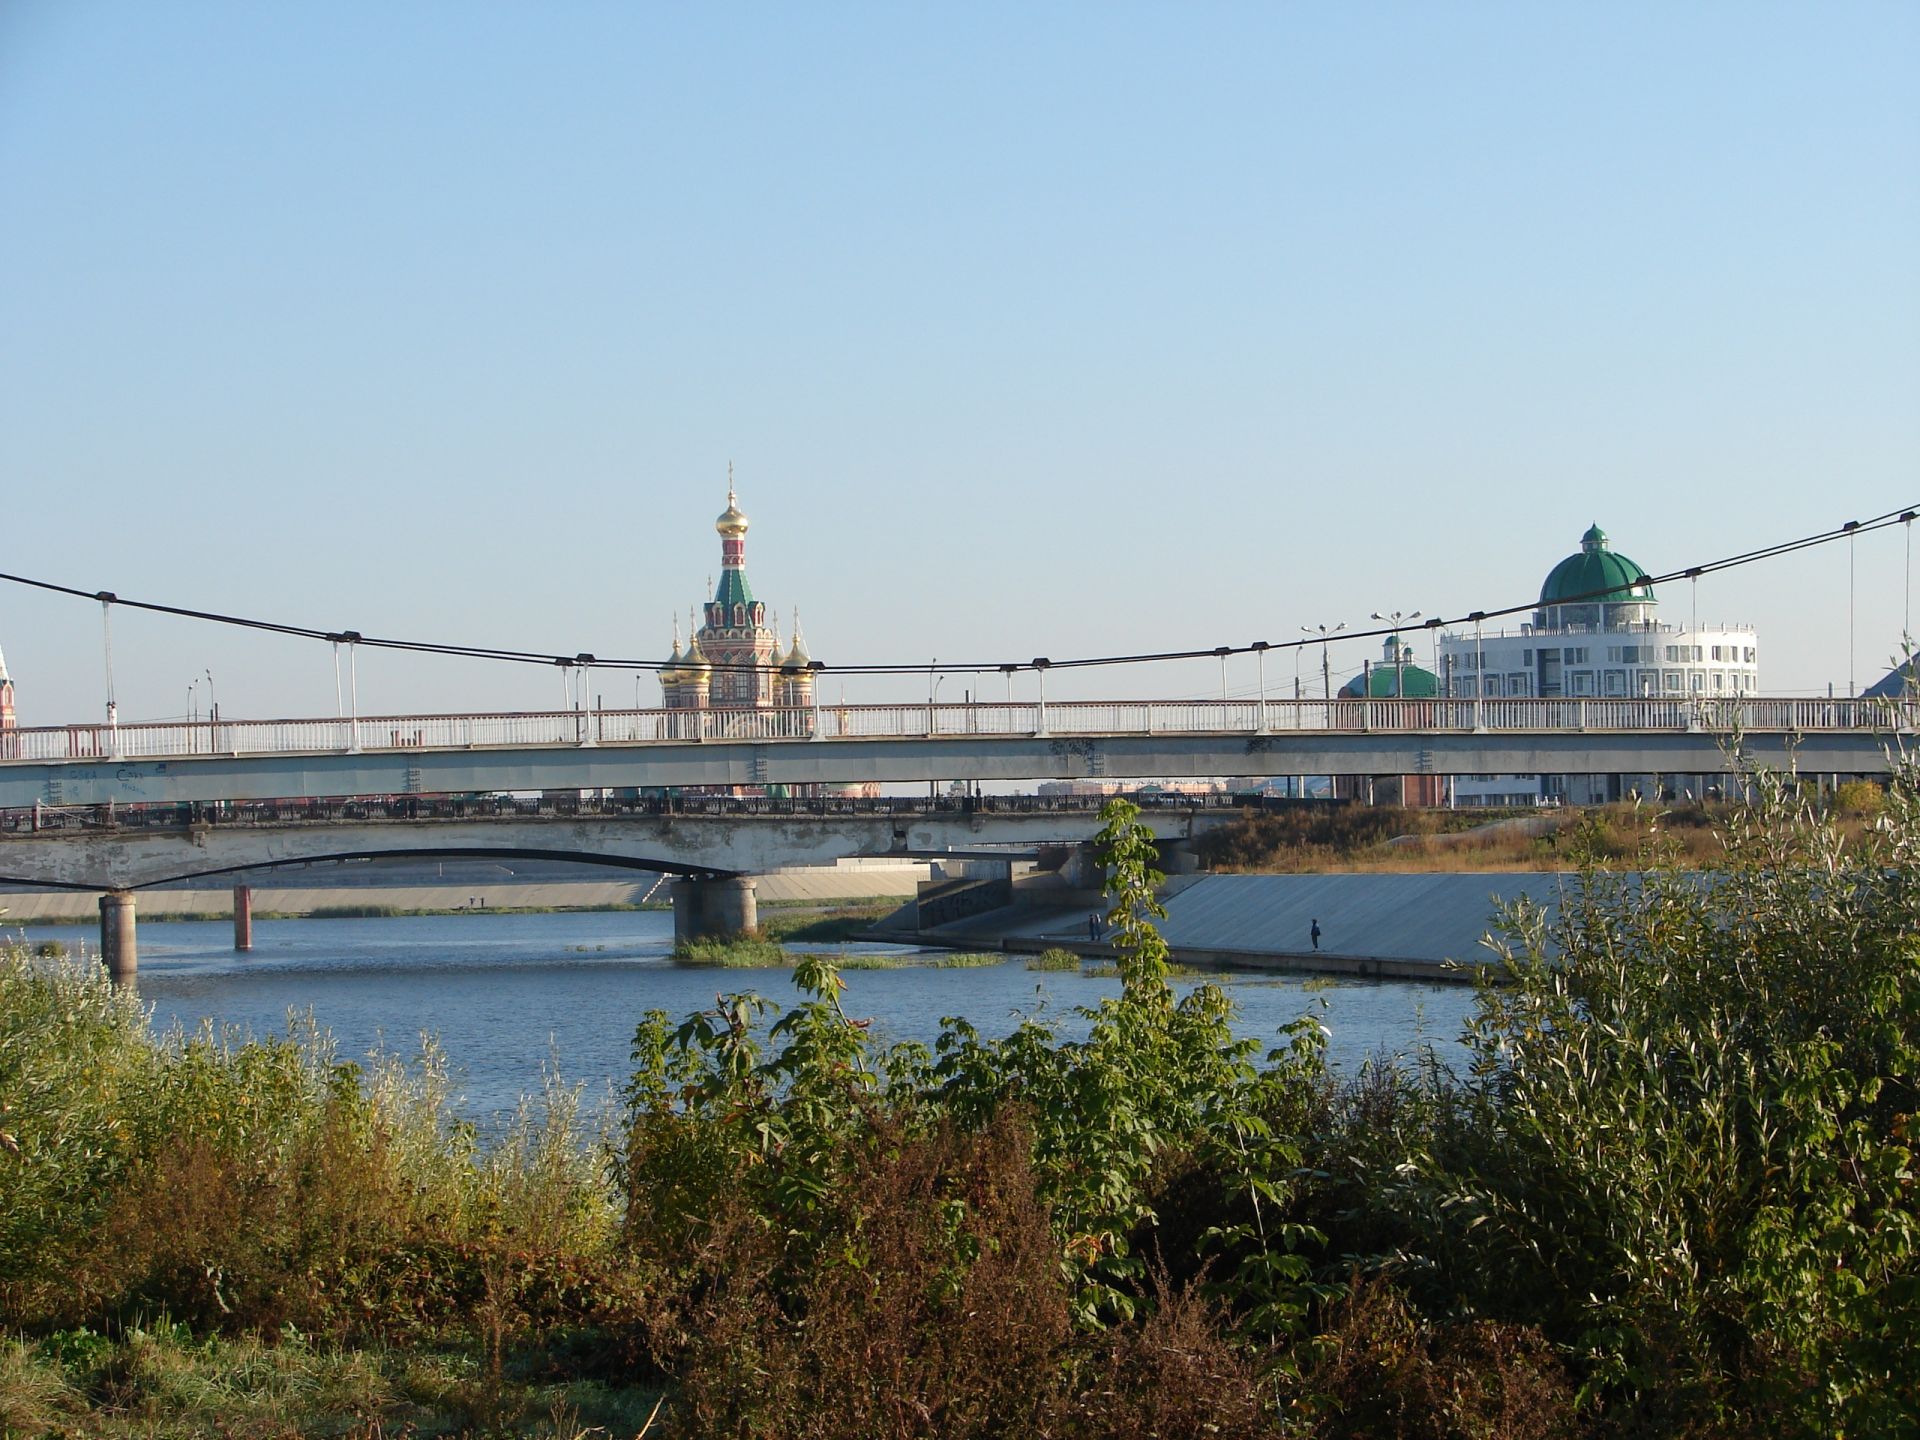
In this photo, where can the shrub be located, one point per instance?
(1688, 1151)
(1054, 958)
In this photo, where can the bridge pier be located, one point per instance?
(714, 908)
(119, 947)
(243, 917)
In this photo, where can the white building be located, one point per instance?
(1596, 636)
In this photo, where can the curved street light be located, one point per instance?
(1326, 633)
(1393, 618)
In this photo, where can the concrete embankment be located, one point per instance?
(1424, 926)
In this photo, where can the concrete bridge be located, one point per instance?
(918, 744)
(236, 762)
(715, 854)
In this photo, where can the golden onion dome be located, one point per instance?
(696, 664)
(670, 673)
(731, 521)
(796, 658)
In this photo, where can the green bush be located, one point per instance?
(1054, 959)
(1688, 1143)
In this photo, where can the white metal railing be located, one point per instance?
(916, 721)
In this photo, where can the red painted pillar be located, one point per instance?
(242, 917)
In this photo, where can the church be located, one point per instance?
(733, 659)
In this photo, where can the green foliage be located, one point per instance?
(1054, 959)
(733, 952)
(1689, 1128)
(1859, 799)
(1673, 1193)
(244, 1185)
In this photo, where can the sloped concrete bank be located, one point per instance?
(1406, 927)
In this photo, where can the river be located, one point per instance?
(509, 995)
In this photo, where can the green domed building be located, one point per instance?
(1595, 586)
(1396, 674)
(1594, 635)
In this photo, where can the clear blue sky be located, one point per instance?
(1030, 330)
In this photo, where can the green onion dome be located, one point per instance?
(1596, 575)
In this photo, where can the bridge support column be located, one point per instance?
(243, 917)
(118, 946)
(1177, 857)
(710, 909)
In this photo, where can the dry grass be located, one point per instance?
(1391, 840)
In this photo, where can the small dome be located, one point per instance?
(1596, 576)
(694, 663)
(671, 673)
(1382, 682)
(797, 658)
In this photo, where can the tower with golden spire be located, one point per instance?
(733, 659)
(7, 722)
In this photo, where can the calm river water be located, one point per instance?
(510, 994)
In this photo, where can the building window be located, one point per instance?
(1698, 679)
(1670, 681)
(1615, 682)
(1719, 681)
(1519, 683)
(1583, 682)
(1526, 657)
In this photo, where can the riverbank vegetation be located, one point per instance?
(1672, 1194)
(1389, 838)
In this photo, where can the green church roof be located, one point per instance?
(1381, 681)
(1595, 576)
(734, 589)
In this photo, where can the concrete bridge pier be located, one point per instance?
(118, 946)
(243, 917)
(714, 908)
(1177, 857)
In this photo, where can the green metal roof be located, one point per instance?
(1421, 684)
(734, 589)
(1596, 576)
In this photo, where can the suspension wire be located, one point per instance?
(1850, 531)
(106, 638)
(1853, 546)
(1906, 619)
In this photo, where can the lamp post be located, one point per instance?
(213, 716)
(1394, 618)
(1223, 651)
(1326, 633)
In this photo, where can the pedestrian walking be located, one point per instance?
(1314, 934)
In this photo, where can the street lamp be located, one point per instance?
(1260, 648)
(1223, 651)
(1394, 618)
(213, 715)
(1326, 633)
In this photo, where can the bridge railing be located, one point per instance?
(912, 721)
